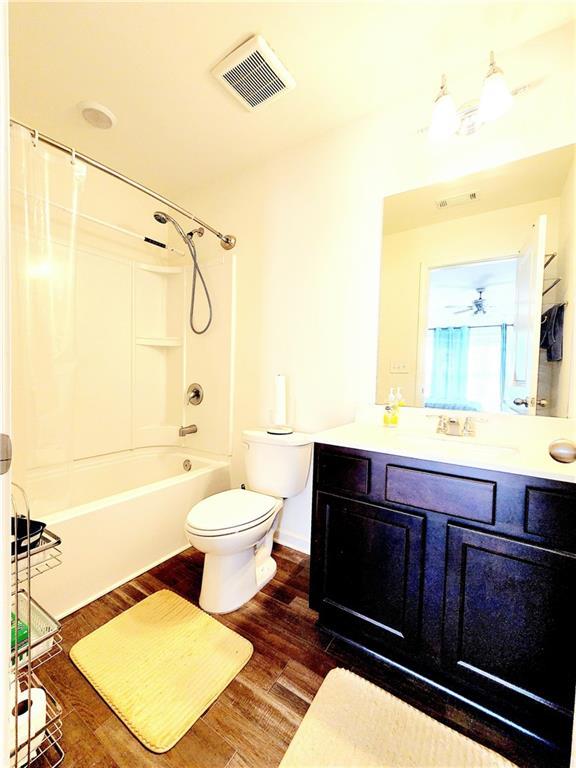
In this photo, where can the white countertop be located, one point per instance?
(524, 457)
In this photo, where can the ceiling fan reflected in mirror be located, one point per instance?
(477, 307)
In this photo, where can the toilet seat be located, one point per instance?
(230, 512)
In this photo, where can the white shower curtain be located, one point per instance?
(44, 285)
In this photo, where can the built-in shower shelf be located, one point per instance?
(161, 341)
(161, 270)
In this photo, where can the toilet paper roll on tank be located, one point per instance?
(279, 425)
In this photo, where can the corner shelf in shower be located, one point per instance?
(160, 270)
(161, 341)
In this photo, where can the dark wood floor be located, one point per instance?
(253, 721)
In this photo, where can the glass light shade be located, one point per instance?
(496, 98)
(444, 118)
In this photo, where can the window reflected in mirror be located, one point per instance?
(470, 337)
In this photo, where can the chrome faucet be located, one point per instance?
(190, 430)
(452, 425)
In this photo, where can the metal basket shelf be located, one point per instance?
(50, 754)
(42, 643)
(44, 640)
(45, 556)
(48, 748)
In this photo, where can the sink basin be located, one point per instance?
(466, 446)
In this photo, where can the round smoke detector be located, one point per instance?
(97, 115)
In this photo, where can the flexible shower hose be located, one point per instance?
(197, 273)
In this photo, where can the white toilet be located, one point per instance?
(236, 528)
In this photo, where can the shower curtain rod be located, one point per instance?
(226, 241)
(114, 227)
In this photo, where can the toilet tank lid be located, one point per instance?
(294, 439)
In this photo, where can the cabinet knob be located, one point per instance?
(563, 451)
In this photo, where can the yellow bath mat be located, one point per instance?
(354, 724)
(160, 665)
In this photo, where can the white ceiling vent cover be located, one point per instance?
(253, 74)
(451, 202)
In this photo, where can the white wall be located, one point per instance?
(309, 228)
(209, 355)
(492, 235)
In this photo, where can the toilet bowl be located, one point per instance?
(235, 529)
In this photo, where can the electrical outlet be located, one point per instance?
(396, 366)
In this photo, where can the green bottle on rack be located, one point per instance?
(18, 634)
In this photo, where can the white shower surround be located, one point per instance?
(126, 514)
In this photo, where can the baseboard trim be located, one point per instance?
(293, 540)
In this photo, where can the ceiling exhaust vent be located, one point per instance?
(452, 202)
(253, 74)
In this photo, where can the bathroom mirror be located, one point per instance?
(478, 279)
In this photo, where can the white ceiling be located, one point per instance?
(150, 63)
(454, 288)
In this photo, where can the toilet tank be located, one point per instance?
(276, 464)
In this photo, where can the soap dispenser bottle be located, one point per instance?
(391, 410)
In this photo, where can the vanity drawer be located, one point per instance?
(342, 472)
(456, 496)
(551, 515)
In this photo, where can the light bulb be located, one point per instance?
(444, 116)
(496, 98)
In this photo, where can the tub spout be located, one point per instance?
(190, 430)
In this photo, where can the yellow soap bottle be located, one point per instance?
(390, 415)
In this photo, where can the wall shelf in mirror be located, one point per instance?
(549, 259)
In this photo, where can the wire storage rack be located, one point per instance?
(36, 717)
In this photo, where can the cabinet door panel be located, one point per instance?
(509, 617)
(372, 569)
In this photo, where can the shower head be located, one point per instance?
(162, 218)
(226, 241)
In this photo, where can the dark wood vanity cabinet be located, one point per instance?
(464, 576)
(372, 570)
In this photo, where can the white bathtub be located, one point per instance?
(117, 516)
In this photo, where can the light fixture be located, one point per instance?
(97, 115)
(496, 98)
(444, 116)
